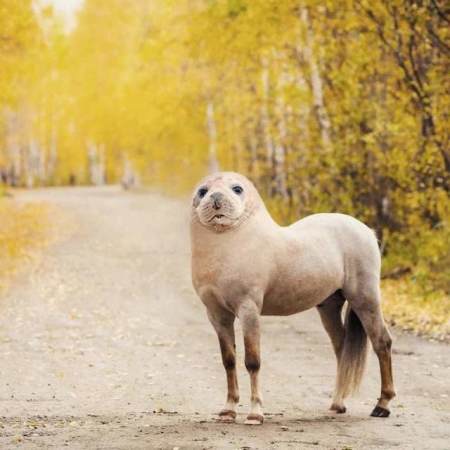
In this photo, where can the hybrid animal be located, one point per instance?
(245, 265)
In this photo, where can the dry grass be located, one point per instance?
(406, 305)
(23, 229)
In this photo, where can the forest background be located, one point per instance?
(335, 105)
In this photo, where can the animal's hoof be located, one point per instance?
(340, 409)
(380, 412)
(254, 419)
(227, 416)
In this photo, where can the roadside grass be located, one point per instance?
(408, 306)
(23, 229)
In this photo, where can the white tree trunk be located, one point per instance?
(304, 109)
(53, 153)
(213, 164)
(253, 166)
(12, 131)
(265, 118)
(32, 162)
(129, 179)
(316, 81)
(96, 157)
(280, 148)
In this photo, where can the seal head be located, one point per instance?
(223, 201)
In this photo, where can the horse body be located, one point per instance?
(312, 259)
(260, 268)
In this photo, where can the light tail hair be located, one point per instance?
(352, 360)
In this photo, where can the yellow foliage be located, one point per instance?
(406, 306)
(23, 229)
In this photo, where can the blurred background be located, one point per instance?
(338, 105)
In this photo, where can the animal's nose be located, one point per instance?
(216, 198)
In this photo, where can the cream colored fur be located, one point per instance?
(245, 265)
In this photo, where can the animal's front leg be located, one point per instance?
(249, 318)
(223, 323)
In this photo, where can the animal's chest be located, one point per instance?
(227, 277)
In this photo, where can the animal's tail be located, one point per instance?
(353, 356)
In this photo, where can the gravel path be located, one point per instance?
(103, 344)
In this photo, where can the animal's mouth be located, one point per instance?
(217, 216)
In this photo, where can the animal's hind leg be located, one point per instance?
(330, 312)
(369, 312)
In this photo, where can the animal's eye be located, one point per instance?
(202, 192)
(237, 189)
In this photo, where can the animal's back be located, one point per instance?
(355, 240)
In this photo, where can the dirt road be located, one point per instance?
(103, 345)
